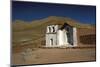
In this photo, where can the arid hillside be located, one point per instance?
(34, 32)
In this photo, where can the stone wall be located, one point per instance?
(86, 37)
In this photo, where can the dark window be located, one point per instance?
(53, 29)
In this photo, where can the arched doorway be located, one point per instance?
(51, 42)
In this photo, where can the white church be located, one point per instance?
(61, 36)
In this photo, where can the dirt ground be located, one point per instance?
(53, 55)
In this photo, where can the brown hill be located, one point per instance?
(19, 25)
(35, 30)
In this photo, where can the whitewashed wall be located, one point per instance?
(49, 37)
(75, 36)
(62, 38)
(59, 37)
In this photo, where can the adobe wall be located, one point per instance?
(86, 37)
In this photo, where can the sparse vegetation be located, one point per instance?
(36, 29)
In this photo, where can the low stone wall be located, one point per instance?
(86, 37)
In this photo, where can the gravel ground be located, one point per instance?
(55, 55)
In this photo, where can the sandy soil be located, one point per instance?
(52, 55)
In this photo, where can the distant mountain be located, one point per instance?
(19, 25)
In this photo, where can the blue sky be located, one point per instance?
(29, 11)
